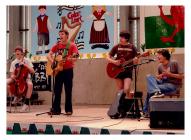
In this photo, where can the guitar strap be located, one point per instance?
(64, 54)
(65, 50)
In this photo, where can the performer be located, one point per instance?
(43, 24)
(168, 80)
(66, 75)
(123, 50)
(18, 62)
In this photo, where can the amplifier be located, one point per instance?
(166, 113)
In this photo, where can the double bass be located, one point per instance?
(19, 86)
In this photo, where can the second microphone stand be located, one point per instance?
(135, 105)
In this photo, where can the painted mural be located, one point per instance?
(165, 31)
(90, 27)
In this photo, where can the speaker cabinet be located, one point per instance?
(167, 113)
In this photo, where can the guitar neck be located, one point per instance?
(129, 61)
(60, 58)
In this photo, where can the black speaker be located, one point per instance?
(167, 113)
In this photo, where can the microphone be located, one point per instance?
(150, 59)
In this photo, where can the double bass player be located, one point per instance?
(20, 62)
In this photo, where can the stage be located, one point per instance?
(86, 119)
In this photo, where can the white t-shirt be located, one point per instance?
(16, 62)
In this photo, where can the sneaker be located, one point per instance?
(158, 95)
(145, 116)
(25, 108)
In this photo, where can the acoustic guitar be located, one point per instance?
(57, 66)
(114, 70)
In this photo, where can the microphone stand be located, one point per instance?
(135, 105)
(53, 94)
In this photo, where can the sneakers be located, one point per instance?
(158, 94)
(25, 108)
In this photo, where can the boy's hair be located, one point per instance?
(125, 35)
(42, 7)
(164, 53)
(19, 48)
(65, 31)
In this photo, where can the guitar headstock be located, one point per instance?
(75, 55)
(147, 53)
(25, 51)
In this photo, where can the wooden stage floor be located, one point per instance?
(93, 117)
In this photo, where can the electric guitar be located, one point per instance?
(114, 70)
(57, 66)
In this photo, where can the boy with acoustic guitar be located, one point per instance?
(63, 71)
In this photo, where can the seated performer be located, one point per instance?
(168, 80)
(17, 63)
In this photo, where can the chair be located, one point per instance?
(11, 104)
(139, 96)
(19, 102)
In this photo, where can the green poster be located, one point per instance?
(156, 29)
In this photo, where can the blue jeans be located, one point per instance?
(155, 85)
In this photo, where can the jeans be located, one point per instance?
(155, 85)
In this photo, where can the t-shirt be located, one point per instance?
(15, 64)
(172, 67)
(125, 52)
(60, 48)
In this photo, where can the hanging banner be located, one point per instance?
(165, 31)
(90, 27)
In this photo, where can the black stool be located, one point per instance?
(139, 96)
(130, 107)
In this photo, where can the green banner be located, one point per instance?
(157, 30)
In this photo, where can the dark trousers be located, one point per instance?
(66, 77)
